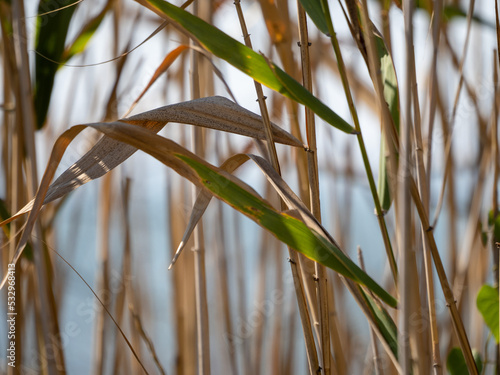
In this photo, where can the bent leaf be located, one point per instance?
(307, 236)
(201, 204)
(226, 187)
(213, 112)
(167, 61)
(248, 61)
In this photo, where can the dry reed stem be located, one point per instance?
(295, 266)
(376, 360)
(433, 90)
(495, 247)
(387, 124)
(403, 202)
(312, 166)
(105, 207)
(184, 315)
(118, 365)
(447, 291)
(423, 182)
(25, 115)
(203, 338)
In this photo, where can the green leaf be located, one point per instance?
(81, 41)
(487, 304)
(286, 228)
(385, 323)
(249, 62)
(51, 34)
(455, 363)
(495, 223)
(391, 96)
(315, 12)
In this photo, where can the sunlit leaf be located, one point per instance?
(226, 187)
(286, 228)
(84, 36)
(487, 304)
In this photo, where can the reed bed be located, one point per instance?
(162, 213)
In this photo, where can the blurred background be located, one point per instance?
(120, 232)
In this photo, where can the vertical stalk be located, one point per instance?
(225, 295)
(494, 147)
(293, 256)
(445, 285)
(403, 197)
(423, 190)
(422, 183)
(102, 282)
(433, 90)
(376, 360)
(13, 179)
(361, 142)
(26, 118)
(312, 166)
(203, 341)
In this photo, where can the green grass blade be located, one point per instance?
(385, 323)
(286, 228)
(249, 62)
(83, 38)
(50, 38)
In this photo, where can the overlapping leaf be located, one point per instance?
(213, 112)
(320, 247)
(247, 60)
(389, 81)
(311, 241)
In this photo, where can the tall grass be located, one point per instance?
(356, 108)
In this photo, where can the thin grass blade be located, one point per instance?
(84, 36)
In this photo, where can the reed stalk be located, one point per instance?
(312, 166)
(293, 257)
(361, 142)
(203, 338)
